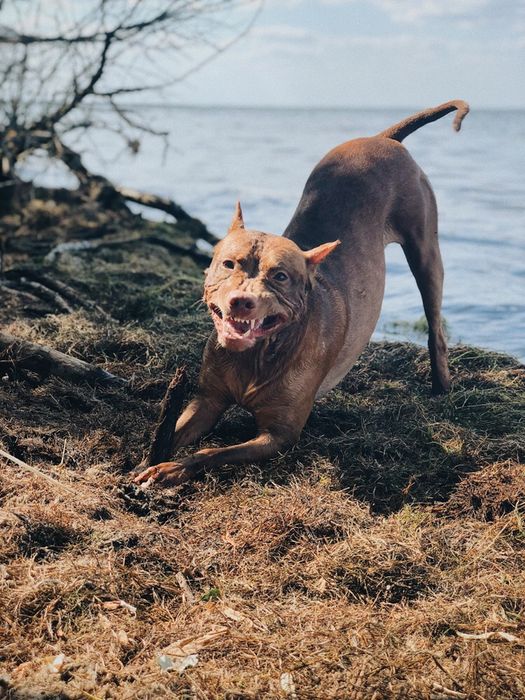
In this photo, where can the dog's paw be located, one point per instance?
(166, 474)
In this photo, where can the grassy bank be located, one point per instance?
(381, 557)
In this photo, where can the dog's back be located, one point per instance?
(367, 193)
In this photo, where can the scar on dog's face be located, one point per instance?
(257, 284)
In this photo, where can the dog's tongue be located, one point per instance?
(240, 326)
(243, 326)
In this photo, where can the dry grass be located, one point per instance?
(370, 561)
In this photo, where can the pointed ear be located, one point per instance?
(317, 255)
(237, 221)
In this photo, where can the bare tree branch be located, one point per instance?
(66, 68)
(78, 95)
(121, 32)
(85, 61)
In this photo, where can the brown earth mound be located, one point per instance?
(494, 491)
(382, 557)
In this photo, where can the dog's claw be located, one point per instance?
(166, 473)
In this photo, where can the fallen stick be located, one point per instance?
(67, 294)
(47, 295)
(20, 293)
(169, 207)
(37, 472)
(119, 240)
(187, 593)
(447, 692)
(170, 409)
(45, 360)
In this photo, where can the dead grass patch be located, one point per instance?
(348, 567)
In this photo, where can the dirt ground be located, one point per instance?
(381, 557)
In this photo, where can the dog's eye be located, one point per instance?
(229, 264)
(280, 276)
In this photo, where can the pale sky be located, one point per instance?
(360, 53)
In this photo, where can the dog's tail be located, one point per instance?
(401, 130)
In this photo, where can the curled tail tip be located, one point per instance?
(463, 109)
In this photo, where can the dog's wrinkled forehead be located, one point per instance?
(261, 251)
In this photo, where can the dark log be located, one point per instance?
(64, 295)
(20, 294)
(197, 255)
(44, 360)
(171, 407)
(47, 295)
(169, 207)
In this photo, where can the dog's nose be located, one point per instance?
(242, 302)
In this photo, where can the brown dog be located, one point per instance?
(292, 313)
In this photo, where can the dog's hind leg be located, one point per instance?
(427, 268)
(421, 247)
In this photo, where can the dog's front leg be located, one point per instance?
(267, 443)
(197, 419)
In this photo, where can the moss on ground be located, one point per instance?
(381, 557)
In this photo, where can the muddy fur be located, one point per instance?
(352, 562)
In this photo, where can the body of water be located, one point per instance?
(264, 156)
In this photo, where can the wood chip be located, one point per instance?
(187, 593)
(116, 604)
(505, 636)
(191, 645)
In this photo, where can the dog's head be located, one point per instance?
(257, 284)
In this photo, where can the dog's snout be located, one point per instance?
(242, 302)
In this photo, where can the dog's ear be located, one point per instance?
(317, 255)
(237, 221)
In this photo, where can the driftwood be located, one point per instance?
(119, 240)
(45, 360)
(47, 295)
(169, 207)
(162, 443)
(57, 292)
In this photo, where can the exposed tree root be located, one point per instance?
(47, 295)
(55, 291)
(45, 360)
(169, 207)
(119, 240)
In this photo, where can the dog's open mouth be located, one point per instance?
(245, 329)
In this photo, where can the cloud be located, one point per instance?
(282, 33)
(418, 11)
(316, 55)
(283, 40)
(409, 11)
(295, 40)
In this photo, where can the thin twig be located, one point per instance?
(187, 593)
(37, 472)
